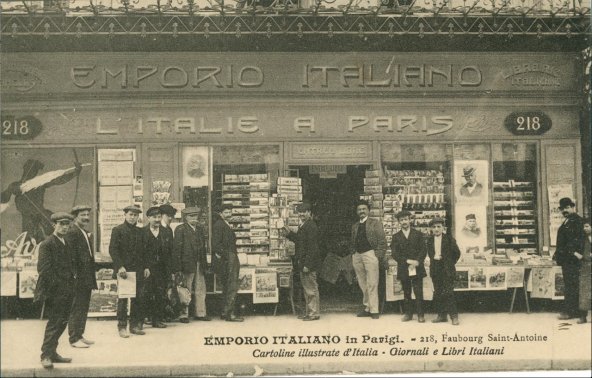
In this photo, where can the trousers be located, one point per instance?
(417, 285)
(230, 278)
(79, 313)
(136, 313)
(366, 268)
(196, 282)
(571, 279)
(311, 292)
(444, 301)
(59, 311)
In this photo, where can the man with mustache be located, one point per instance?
(80, 241)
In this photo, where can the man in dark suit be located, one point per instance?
(369, 248)
(568, 254)
(226, 260)
(125, 249)
(80, 242)
(190, 261)
(444, 253)
(409, 251)
(57, 279)
(308, 255)
(157, 247)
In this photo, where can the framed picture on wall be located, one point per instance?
(471, 181)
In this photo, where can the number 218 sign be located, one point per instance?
(19, 128)
(528, 123)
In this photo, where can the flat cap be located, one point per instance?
(436, 220)
(168, 210)
(190, 210)
(154, 210)
(403, 214)
(61, 215)
(133, 208)
(76, 209)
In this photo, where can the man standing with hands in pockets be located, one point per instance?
(409, 251)
(308, 256)
(369, 246)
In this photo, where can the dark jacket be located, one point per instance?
(189, 248)
(157, 252)
(223, 242)
(404, 249)
(570, 239)
(85, 259)
(375, 236)
(56, 268)
(125, 248)
(308, 252)
(445, 267)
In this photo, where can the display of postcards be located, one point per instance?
(240, 211)
(277, 223)
(274, 212)
(278, 200)
(289, 189)
(232, 196)
(259, 224)
(388, 209)
(243, 242)
(294, 197)
(293, 222)
(278, 244)
(239, 218)
(390, 217)
(242, 234)
(260, 249)
(259, 209)
(377, 197)
(242, 258)
(235, 187)
(259, 216)
(372, 189)
(259, 194)
(244, 249)
(235, 203)
(376, 204)
(274, 233)
(259, 202)
(366, 197)
(259, 233)
(259, 185)
(253, 259)
(260, 240)
(372, 181)
(231, 178)
(239, 226)
(376, 213)
(372, 173)
(289, 181)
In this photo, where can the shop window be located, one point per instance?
(471, 200)
(37, 182)
(118, 188)
(417, 179)
(515, 197)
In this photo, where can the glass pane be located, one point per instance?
(515, 198)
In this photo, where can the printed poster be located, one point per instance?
(558, 283)
(557, 192)
(246, 281)
(477, 278)
(471, 228)
(543, 283)
(9, 281)
(461, 282)
(471, 181)
(27, 283)
(126, 287)
(496, 278)
(103, 301)
(196, 165)
(515, 277)
(266, 286)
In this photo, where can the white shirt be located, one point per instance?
(85, 238)
(155, 232)
(61, 239)
(364, 220)
(471, 188)
(438, 247)
(406, 233)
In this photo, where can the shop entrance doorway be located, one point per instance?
(333, 190)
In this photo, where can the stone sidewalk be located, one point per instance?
(284, 345)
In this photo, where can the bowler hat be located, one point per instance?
(168, 210)
(436, 220)
(154, 210)
(61, 215)
(467, 171)
(190, 210)
(566, 202)
(133, 208)
(77, 209)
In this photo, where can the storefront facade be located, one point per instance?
(153, 128)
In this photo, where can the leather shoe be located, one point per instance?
(233, 318)
(363, 314)
(158, 325)
(374, 316)
(563, 316)
(57, 359)
(420, 319)
(302, 316)
(203, 318)
(455, 321)
(184, 320)
(582, 320)
(440, 319)
(407, 318)
(123, 333)
(79, 344)
(87, 341)
(310, 318)
(137, 331)
(46, 363)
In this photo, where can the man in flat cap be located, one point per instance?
(471, 229)
(226, 260)
(471, 188)
(409, 251)
(56, 283)
(308, 256)
(568, 254)
(190, 261)
(126, 251)
(157, 246)
(444, 253)
(368, 244)
(80, 242)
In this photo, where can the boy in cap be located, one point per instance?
(125, 248)
(157, 247)
(471, 188)
(190, 261)
(57, 279)
(80, 241)
(409, 250)
(569, 254)
(444, 253)
(308, 255)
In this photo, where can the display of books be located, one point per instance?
(515, 222)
